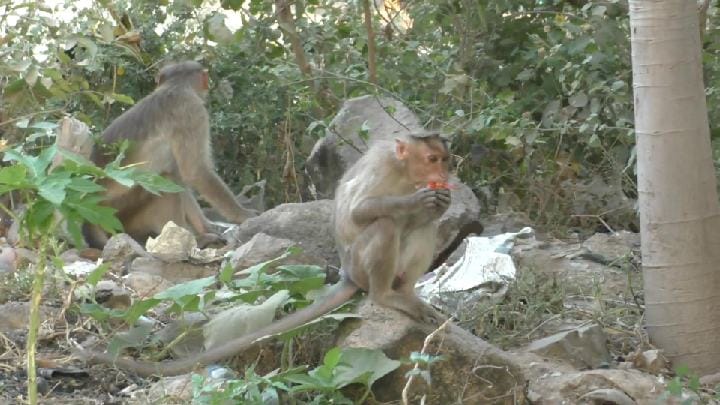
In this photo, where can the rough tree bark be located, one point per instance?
(679, 210)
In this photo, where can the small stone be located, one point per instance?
(8, 260)
(119, 252)
(174, 243)
(178, 388)
(174, 272)
(608, 396)
(651, 361)
(146, 285)
(111, 295)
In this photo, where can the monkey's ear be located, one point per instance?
(401, 149)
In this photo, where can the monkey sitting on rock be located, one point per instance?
(169, 134)
(385, 219)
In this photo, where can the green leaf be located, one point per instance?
(84, 185)
(53, 189)
(96, 275)
(364, 365)
(152, 182)
(121, 176)
(305, 382)
(138, 309)
(135, 337)
(226, 274)
(74, 223)
(240, 320)
(45, 158)
(79, 165)
(14, 87)
(189, 288)
(17, 155)
(155, 183)
(37, 165)
(253, 272)
(301, 271)
(675, 387)
(100, 215)
(15, 175)
(682, 370)
(122, 98)
(332, 357)
(94, 311)
(39, 216)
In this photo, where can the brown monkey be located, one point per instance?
(385, 226)
(169, 134)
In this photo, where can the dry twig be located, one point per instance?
(426, 344)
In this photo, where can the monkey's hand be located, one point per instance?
(442, 202)
(423, 199)
(431, 201)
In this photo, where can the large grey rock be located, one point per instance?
(344, 143)
(582, 347)
(14, 315)
(383, 118)
(571, 263)
(619, 387)
(263, 247)
(614, 249)
(464, 208)
(307, 223)
(472, 371)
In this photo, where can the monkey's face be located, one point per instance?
(425, 160)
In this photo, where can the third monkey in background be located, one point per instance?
(169, 134)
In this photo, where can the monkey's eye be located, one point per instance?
(432, 159)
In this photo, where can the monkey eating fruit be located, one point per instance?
(385, 222)
(169, 134)
(438, 185)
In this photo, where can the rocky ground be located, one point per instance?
(567, 330)
(563, 325)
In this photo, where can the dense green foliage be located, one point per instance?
(537, 94)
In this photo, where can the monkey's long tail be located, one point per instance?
(339, 294)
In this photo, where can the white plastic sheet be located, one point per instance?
(483, 272)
